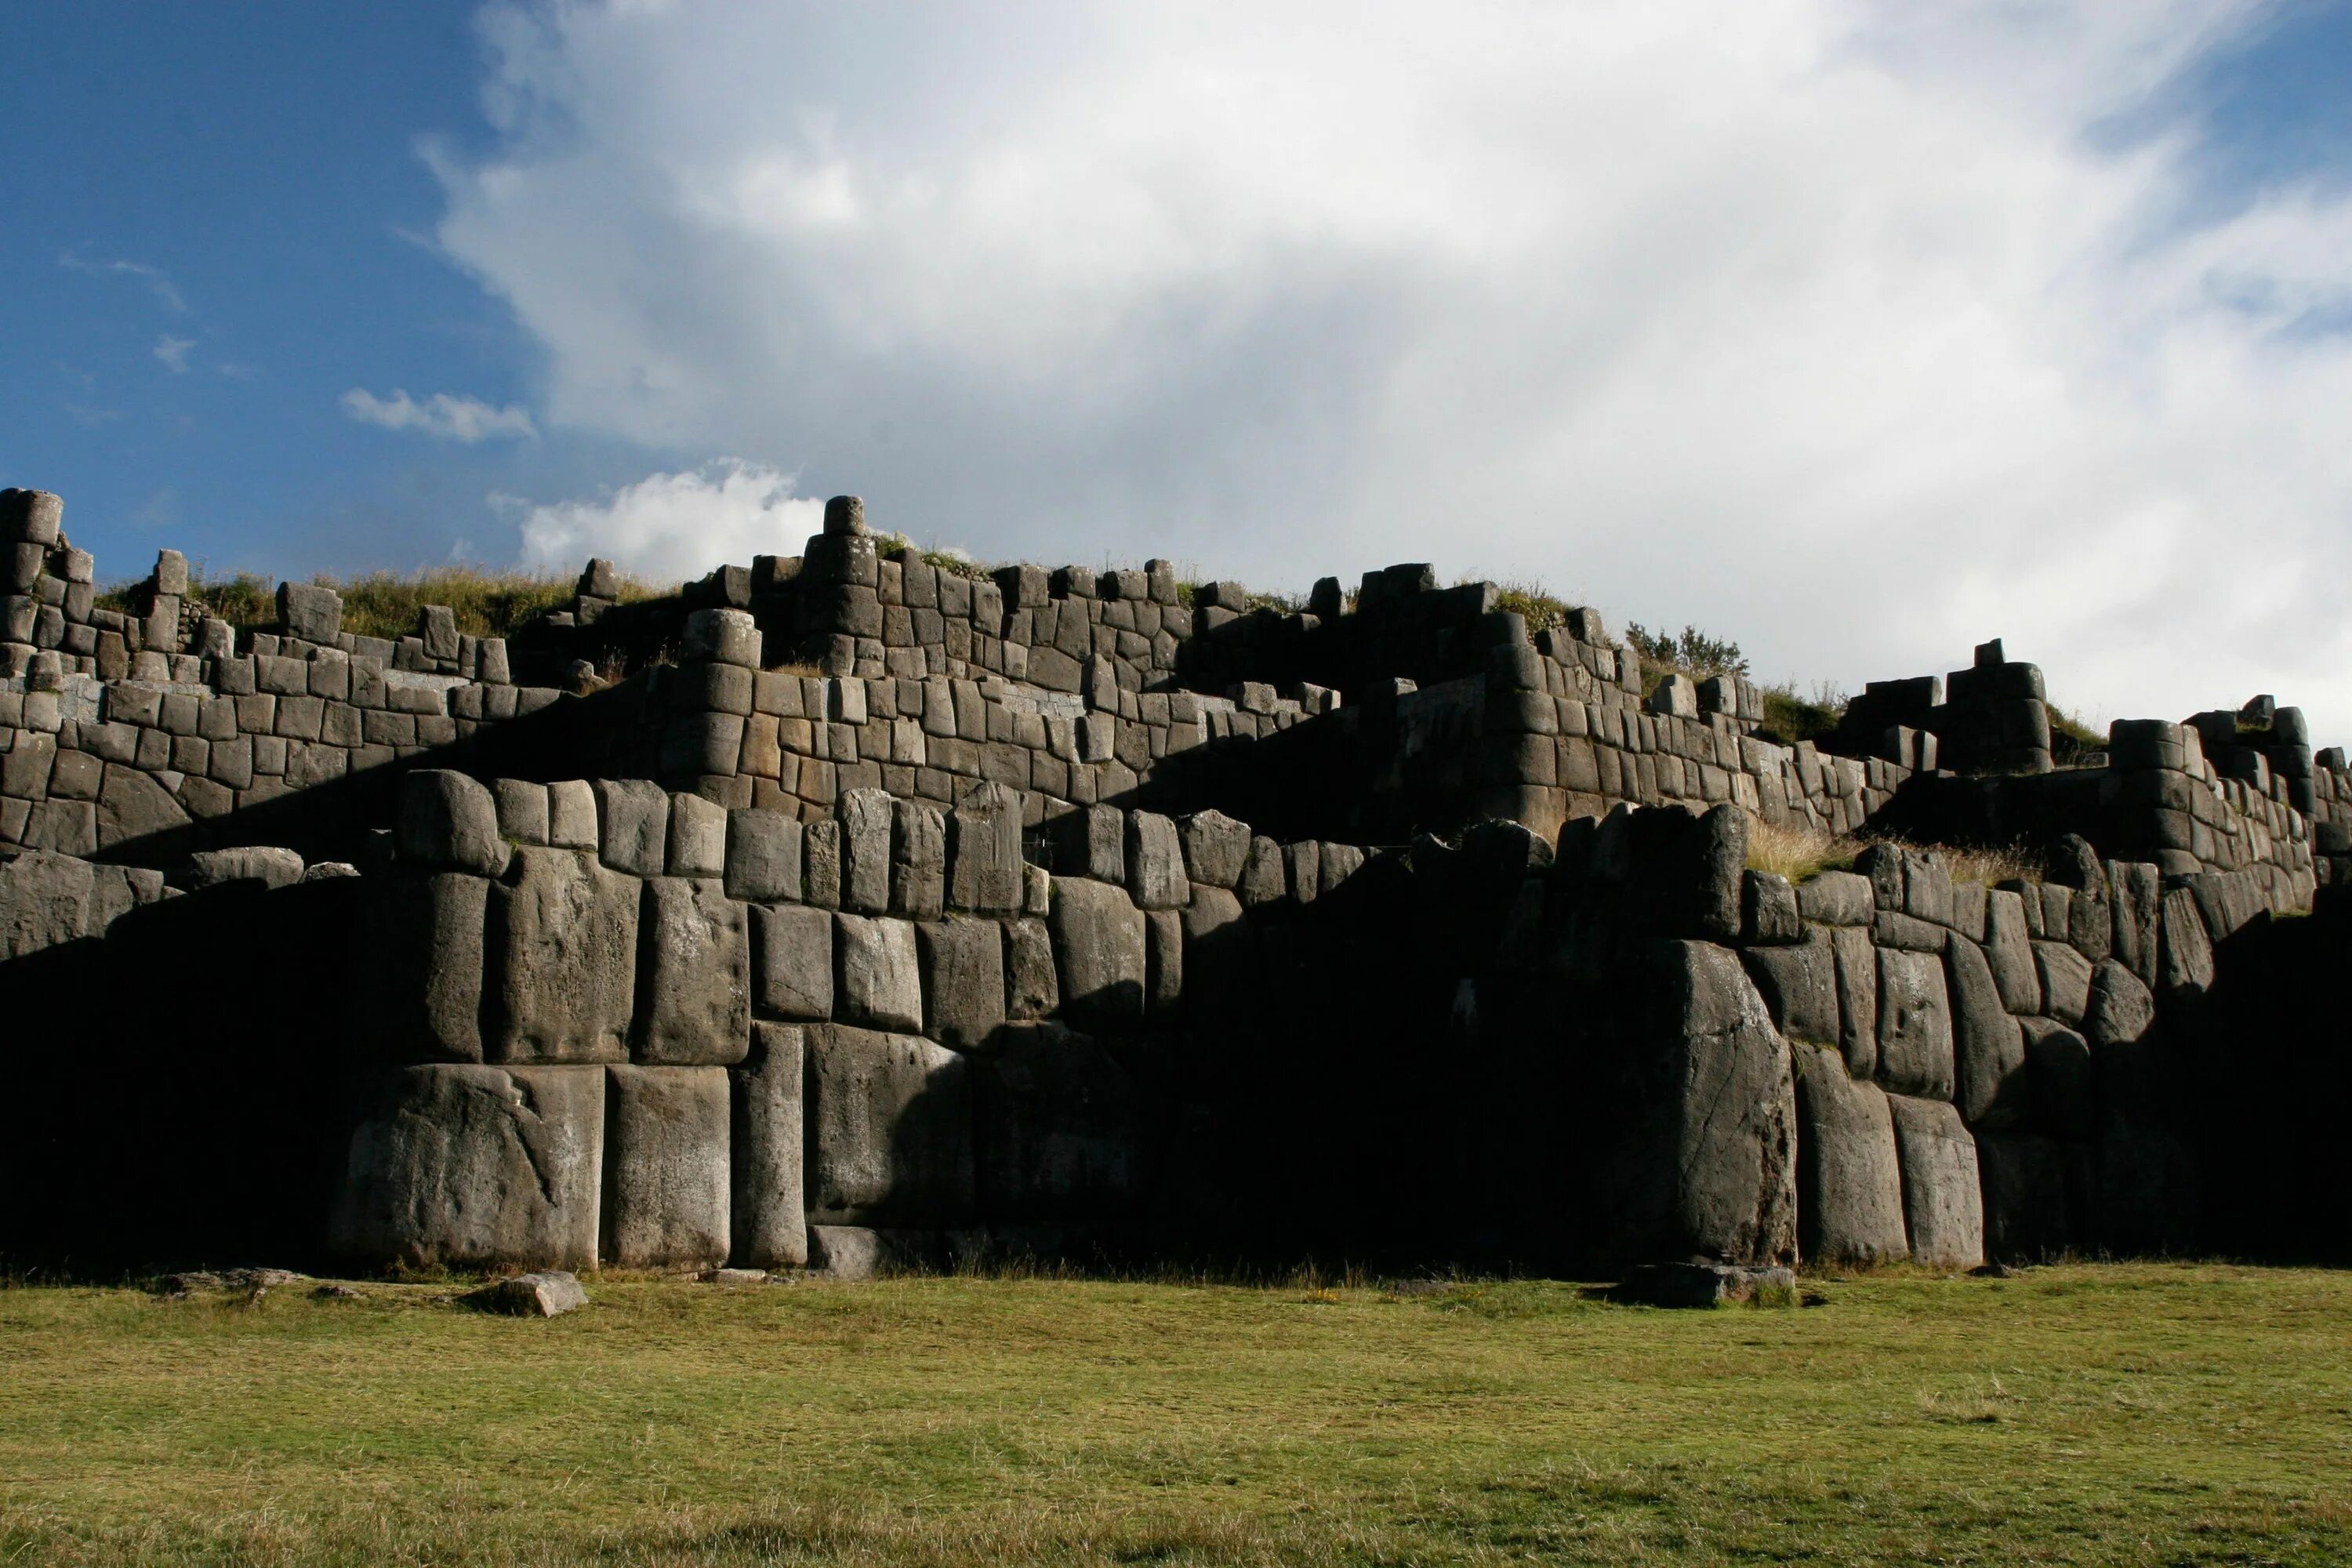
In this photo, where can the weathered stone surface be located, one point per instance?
(132, 806)
(1942, 1204)
(560, 959)
(2029, 1207)
(1164, 963)
(266, 864)
(1216, 848)
(1849, 1183)
(473, 1167)
(633, 825)
(2120, 1009)
(1836, 899)
(667, 1179)
(1098, 949)
(310, 612)
(572, 815)
(1705, 1285)
(1093, 843)
(45, 899)
(418, 958)
(851, 1252)
(890, 1129)
(1221, 978)
(791, 971)
(963, 980)
(865, 817)
(522, 810)
(2009, 953)
(447, 819)
(1155, 863)
(763, 857)
(1915, 1025)
(821, 859)
(2065, 980)
(768, 1221)
(984, 870)
(881, 978)
(1031, 991)
(1705, 1161)
(546, 1294)
(694, 974)
(2138, 901)
(2060, 1072)
(919, 860)
(697, 837)
(1262, 880)
(1987, 1045)
(1799, 983)
(1059, 1122)
(2185, 956)
(1768, 909)
(1857, 985)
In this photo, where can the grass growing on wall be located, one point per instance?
(2143, 1414)
(1801, 853)
(487, 601)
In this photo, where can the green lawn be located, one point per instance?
(2124, 1414)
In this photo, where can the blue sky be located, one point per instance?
(1853, 333)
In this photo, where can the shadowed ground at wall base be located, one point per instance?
(2141, 1413)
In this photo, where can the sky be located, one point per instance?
(1854, 333)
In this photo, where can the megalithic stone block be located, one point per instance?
(984, 850)
(1062, 1126)
(963, 980)
(1098, 949)
(890, 1129)
(1987, 1045)
(791, 947)
(560, 959)
(1702, 1102)
(418, 959)
(474, 1167)
(1849, 1177)
(768, 1223)
(1915, 1025)
(1943, 1201)
(667, 1182)
(919, 860)
(865, 820)
(694, 974)
(447, 819)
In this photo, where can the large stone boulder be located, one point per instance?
(963, 980)
(416, 964)
(889, 1121)
(560, 959)
(1849, 1182)
(791, 969)
(666, 1178)
(1098, 948)
(1059, 1127)
(768, 1221)
(1799, 983)
(2031, 1196)
(474, 1167)
(881, 975)
(450, 820)
(1988, 1044)
(1703, 1162)
(694, 974)
(1915, 1025)
(45, 899)
(1942, 1202)
(984, 849)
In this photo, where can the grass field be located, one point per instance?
(2124, 1414)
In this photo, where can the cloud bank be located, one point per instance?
(670, 527)
(465, 419)
(1857, 333)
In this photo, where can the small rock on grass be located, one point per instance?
(1706, 1284)
(546, 1294)
(734, 1277)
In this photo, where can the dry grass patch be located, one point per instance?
(1801, 853)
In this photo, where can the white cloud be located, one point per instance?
(670, 527)
(466, 419)
(1843, 330)
(173, 353)
(158, 281)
